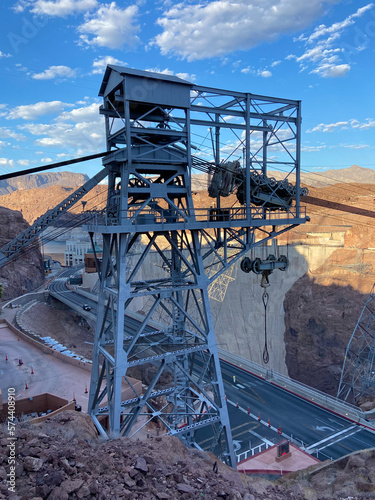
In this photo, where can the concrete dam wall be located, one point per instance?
(239, 316)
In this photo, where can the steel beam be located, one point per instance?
(150, 207)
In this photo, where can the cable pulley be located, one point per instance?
(265, 268)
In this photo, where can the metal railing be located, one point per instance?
(310, 394)
(209, 216)
(252, 451)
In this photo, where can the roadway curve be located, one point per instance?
(320, 431)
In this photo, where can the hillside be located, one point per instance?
(58, 460)
(344, 175)
(26, 272)
(45, 179)
(35, 202)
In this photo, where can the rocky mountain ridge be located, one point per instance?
(319, 179)
(44, 179)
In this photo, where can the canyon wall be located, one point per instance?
(25, 272)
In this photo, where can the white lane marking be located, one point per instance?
(241, 386)
(262, 438)
(236, 445)
(332, 437)
(344, 437)
(324, 428)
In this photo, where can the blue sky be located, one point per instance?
(53, 54)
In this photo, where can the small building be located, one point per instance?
(75, 252)
(277, 460)
(90, 264)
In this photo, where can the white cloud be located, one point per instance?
(218, 27)
(352, 123)
(312, 149)
(330, 127)
(326, 54)
(23, 163)
(111, 27)
(354, 146)
(332, 71)
(46, 160)
(32, 111)
(81, 130)
(55, 72)
(339, 26)
(369, 123)
(99, 65)
(4, 55)
(275, 63)
(6, 133)
(55, 8)
(85, 114)
(264, 73)
(5, 162)
(184, 76)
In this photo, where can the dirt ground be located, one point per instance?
(63, 459)
(67, 327)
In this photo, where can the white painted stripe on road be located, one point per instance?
(345, 437)
(331, 437)
(265, 440)
(241, 386)
(262, 438)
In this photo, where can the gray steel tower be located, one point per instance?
(358, 375)
(160, 322)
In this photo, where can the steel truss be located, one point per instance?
(357, 375)
(150, 121)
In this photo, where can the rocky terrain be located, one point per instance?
(25, 272)
(323, 306)
(62, 459)
(74, 331)
(45, 179)
(35, 202)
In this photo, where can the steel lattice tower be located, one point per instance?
(149, 119)
(357, 375)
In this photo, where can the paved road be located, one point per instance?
(50, 374)
(321, 431)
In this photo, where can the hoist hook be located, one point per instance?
(264, 284)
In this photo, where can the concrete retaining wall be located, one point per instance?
(46, 349)
(38, 404)
(28, 297)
